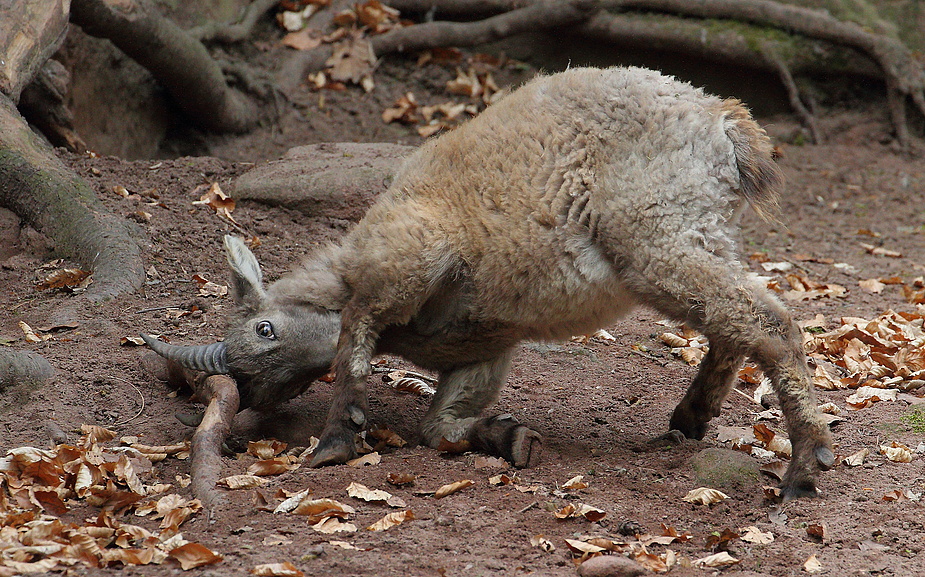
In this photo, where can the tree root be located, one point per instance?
(221, 395)
(37, 186)
(539, 16)
(324, 180)
(231, 33)
(815, 40)
(177, 60)
(903, 74)
(23, 368)
(43, 103)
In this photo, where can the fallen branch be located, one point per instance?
(178, 61)
(221, 395)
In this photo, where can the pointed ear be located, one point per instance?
(246, 276)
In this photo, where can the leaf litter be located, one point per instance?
(40, 486)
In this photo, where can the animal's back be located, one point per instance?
(525, 193)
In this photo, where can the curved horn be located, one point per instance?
(207, 358)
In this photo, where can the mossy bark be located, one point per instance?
(37, 186)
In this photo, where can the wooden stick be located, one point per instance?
(221, 394)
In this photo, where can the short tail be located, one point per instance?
(760, 179)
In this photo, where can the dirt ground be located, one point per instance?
(596, 404)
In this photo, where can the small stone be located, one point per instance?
(610, 566)
(725, 469)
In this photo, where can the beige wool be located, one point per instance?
(550, 214)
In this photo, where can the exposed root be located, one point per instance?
(221, 394)
(43, 192)
(177, 60)
(230, 33)
(23, 367)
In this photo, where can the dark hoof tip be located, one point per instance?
(526, 448)
(825, 457)
(332, 455)
(798, 491)
(672, 437)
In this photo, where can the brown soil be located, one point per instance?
(595, 404)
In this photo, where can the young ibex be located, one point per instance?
(547, 216)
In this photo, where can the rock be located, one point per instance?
(725, 469)
(335, 180)
(610, 566)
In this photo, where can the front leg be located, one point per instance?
(347, 415)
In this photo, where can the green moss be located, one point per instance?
(915, 420)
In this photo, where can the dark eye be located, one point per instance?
(265, 329)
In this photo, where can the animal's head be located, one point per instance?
(273, 349)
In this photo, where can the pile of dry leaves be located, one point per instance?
(40, 487)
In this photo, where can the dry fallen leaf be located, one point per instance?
(705, 496)
(319, 509)
(360, 491)
(856, 459)
(812, 565)
(818, 530)
(391, 520)
(575, 483)
(896, 452)
(192, 555)
(400, 479)
(872, 285)
(866, 396)
(583, 547)
(752, 534)
(387, 436)
(292, 501)
(368, 459)
(447, 490)
(880, 251)
(543, 543)
(243, 482)
(721, 559)
(274, 466)
(330, 525)
(30, 335)
(285, 569)
(217, 200)
(265, 449)
(572, 511)
(353, 61)
(68, 278)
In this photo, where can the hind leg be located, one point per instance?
(454, 423)
(741, 318)
(704, 398)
